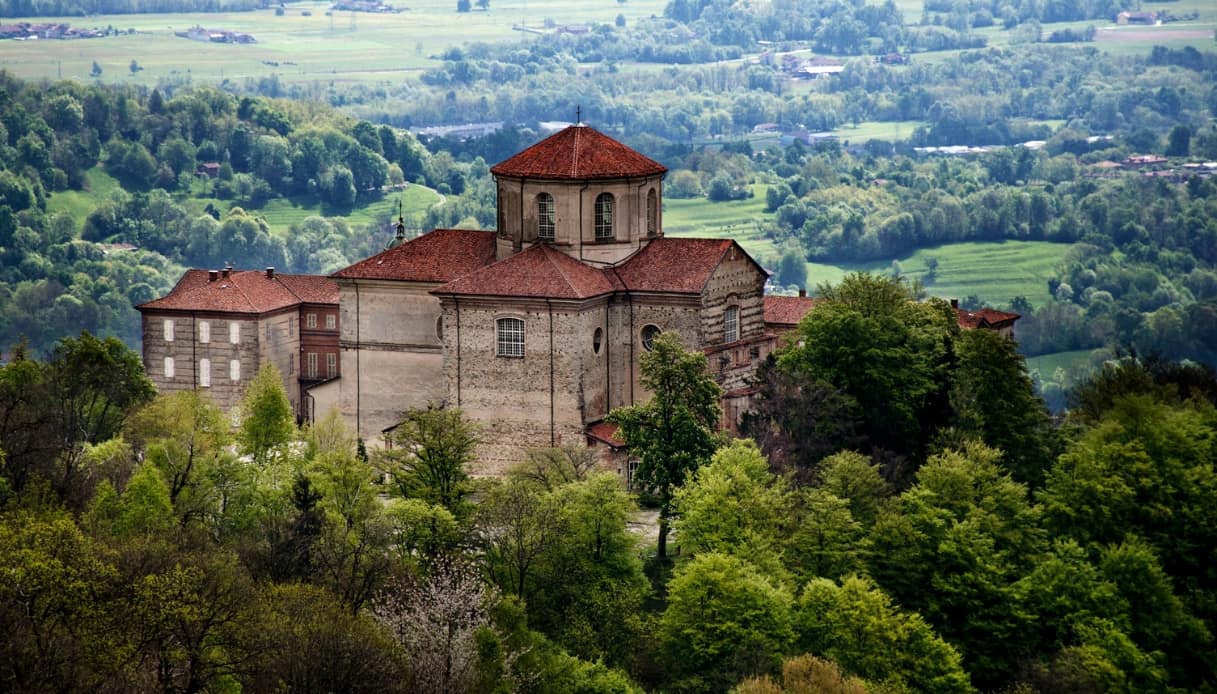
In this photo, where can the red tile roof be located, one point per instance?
(605, 433)
(984, 317)
(578, 153)
(681, 265)
(539, 271)
(787, 310)
(244, 291)
(438, 256)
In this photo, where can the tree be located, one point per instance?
(96, 71)
(805, 674)
(994, 400)
(733, 505)
(671, 434)
(887, 351)
(1179, 142)
(431, 448)
(518, 526)
(266, 417)
(724, 621)
(855, 625)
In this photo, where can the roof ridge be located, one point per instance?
(279, 278)
(232, 280)
(549, 256)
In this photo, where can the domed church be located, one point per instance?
(536, 329)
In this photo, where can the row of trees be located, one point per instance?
(906, 520)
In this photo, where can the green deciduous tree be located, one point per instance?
(266, 417)
(855, 625)
(431, 448)
(671, 434)
(724, 621)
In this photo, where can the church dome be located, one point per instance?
(578, 153)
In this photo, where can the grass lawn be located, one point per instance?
(1047, 364)
(994, 271)
(735, 219)
(79, 203)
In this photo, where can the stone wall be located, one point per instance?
(188, 352)
(278, 344)
(391, 354)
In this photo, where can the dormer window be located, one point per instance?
(604, 217)
(545, 217)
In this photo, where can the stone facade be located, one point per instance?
(216, 328)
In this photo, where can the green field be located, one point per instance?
(994, 271)
(1047, 364)
(344, 47)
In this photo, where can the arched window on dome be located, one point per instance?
(652, 213)
(604, 217)
(545, 217)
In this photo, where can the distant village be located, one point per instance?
(25, 31)
(198, 33)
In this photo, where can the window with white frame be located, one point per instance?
(510, 337)
(731, 324)
(604, 216)
(310, 320)
(168, 330)
(631, 473)
(205, 373)
(331, 365)
(545, 216)
(331, 321)
(234, 369)
(234, 331)
(204, 331)
(169, 367)
(312, 365)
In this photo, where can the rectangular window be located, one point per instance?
(234, 369)
(234, 332)
(510, 334)
(291, 364)
(205, 373)
(331, 365)
(731, 324)
(204, 331)
(168, 331)
(169, 367)
(312, 365)
(310, 320)
(331, 321)
(631, 473)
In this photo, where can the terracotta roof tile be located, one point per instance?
(539, 271)
(606, 433)
(578, 153)
(244, 291)
(787, 310)
(984, 317)
(441, 255)
(681, 265)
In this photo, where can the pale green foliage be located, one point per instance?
(733, 505)
(329, 436)
(351, 555)
(856, 625)
(724, 621)
(144, 508)
(853, 477)
(421, 531)
(267, 422)
(554, 467)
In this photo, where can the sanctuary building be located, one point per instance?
(536, 328)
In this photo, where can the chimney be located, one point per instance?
(802, 292)
(954, 303)
(227, 269)
(213, 275)
(270, 273)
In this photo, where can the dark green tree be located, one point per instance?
(673, 433)
(431, 448)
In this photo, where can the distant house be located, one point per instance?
(209, 169)
(1147, 18)
(783, 313)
